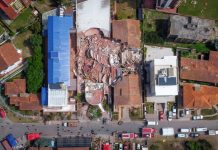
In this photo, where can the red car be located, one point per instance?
(161, 115)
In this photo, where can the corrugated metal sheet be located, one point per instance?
(59, 49)
(11, 140)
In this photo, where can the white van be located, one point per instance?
(185, 130)
(152, 123)
(199, 129)
(182, 135)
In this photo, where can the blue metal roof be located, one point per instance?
(44, 96)
(59, 49)
(11, 140)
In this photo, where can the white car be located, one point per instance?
(182, 135)
(170, 116)
(174, 111)
(199, 117)
(120, 146)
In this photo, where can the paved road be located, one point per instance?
(85, 128)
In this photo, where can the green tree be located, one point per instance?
(154, 147)
(198, 145)
(152, 38)
(35, 73)
(36, 27)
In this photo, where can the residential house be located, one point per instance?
(16, 91)
(93, 16)
(200, 70)
(191, 29)
(127, 93)
(127, 31)
(12, 8)
(197, 96)
(55, 97)
(10, 58)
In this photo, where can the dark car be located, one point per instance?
(194, 135)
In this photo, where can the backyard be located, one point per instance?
(154, 29)
(201, 8)
(23, 20)
(21, 41)
(126, 10)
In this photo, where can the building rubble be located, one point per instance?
(103, 60)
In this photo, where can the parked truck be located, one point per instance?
(211, 132)
(129, 135)
(167, 131)
(6, 145)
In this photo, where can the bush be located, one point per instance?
(152, 38)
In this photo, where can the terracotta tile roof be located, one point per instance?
(199, 96)
(7, 2)
(200, 70)
(128, 91)
(8, 56)
(74, 148)
(16, 87)
(127, 30)
(8, 10)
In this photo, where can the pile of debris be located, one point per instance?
(100, 59)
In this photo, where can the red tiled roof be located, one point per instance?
(8, 56)
(127, 30)
(128, 91)
(199, 97)
(8, 10)
(200, 70)
(16, 87)
(74, 148)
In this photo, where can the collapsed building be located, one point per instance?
(103, 60)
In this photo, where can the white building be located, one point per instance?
(93, 14)
(163, 76)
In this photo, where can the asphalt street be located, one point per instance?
(85, 128)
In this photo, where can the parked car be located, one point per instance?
(181, 113)
(185, 130)
(199, 117)
(182, 135)
(174, 110)
(120, 146)
(194, 135)
(187, 112)
(161, 114)
(199, 129)
(138, 146)
(170, 116)
(151, 123)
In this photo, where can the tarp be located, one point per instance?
(59, 49)
(44, 96)
(11, 140)
(33, 136)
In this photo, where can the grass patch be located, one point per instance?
(208, 111)
(21, 41)
(150, 20)
(135, 113)
(1, 30)
(16, 119)
(126, 10)
(149, 107)
(23, 20)
(201, 8)
(211, 118)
